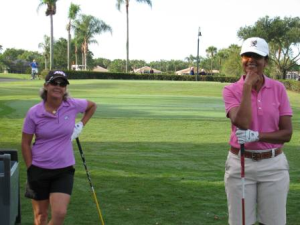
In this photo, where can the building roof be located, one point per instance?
(183, 72)
(186, 71)
(146, 69)
(100, 69)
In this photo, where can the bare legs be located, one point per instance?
(58, 203)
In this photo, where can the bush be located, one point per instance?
(292, 85)
(44, 73)
(134, 76)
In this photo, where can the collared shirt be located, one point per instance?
(268, 105)
(52, 148)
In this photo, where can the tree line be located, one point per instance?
(283, 36)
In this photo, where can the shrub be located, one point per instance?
(134, 76)
(44, 73)
(292, 85)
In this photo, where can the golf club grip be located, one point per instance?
(242, 149)
(242, 160)
(79, 145)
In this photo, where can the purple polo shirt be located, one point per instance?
(268, 105)
(52, 148)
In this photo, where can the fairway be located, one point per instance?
(155, 150)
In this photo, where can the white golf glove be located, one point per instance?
(245, 136)
(77, 130)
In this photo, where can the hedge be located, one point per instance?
(146, 76)
(292, 85)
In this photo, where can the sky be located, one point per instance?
(167, 30)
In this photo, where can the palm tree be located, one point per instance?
(73, 11)
(51, 10)
(77, 42)
(221, 56)
(85, 28)
(119, 3)
(190, 59)
(46, 49)
(211, 51)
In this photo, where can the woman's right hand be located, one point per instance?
(252, 77)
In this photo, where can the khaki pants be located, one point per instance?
(266, 190)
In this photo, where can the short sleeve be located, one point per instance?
(285, 107)
(29, 125)
(80, 104)
(230, 100)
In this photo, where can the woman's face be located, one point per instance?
(252, 61)
(56, 88)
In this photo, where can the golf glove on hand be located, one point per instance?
(77, 130)
(245, 136)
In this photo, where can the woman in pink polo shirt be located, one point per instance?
(50, 159)
(260, 115)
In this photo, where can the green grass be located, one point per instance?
(15, 76)
(155, 150)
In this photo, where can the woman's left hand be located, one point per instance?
(77, 130)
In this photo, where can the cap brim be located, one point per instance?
(256, 52)
(65, 79)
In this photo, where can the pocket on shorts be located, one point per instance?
(286, 163)
(281, 162)
(34, 173)
(29, 168)
(72, 170)
(227, 163)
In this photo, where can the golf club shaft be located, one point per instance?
(243, 181)
(90, 181)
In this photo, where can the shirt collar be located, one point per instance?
(44, 112)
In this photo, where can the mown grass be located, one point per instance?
(155, 151)
(15, 76)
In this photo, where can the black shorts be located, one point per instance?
(41, 182)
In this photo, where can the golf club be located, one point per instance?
(243, 181)
(90, 181)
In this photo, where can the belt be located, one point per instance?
(256, 156)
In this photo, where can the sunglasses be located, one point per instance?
(55, 83)
(252, 55)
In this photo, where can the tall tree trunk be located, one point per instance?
(284, 72)
(85, 59)
(127, 41)
(85, 54)
(76, 57)
(69, 43)
(51, 41)
(45, 63)
(82, 58)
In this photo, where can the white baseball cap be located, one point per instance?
(256, 45)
